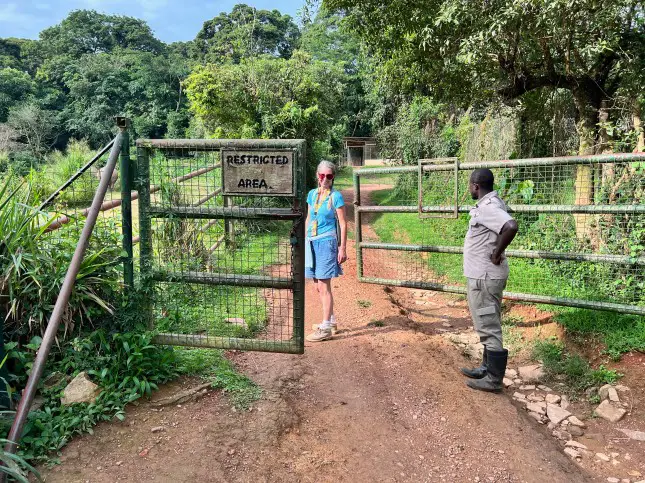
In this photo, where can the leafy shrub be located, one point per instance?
(33, 264)
(18, 162)
(61, 166)
(126, 367)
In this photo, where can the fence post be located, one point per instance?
(298, 246)
(126, 202)
(145, 232)
(358, 231)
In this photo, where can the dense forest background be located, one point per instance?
(449, 79)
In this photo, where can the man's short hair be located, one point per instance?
(484, 178)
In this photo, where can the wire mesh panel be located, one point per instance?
(581, 241)
(224, 271)
(434, 188)
(65, 188)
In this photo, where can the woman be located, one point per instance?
(323, 252)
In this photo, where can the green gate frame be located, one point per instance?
(426, 165)
(296, 282)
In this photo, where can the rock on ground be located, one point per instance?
(609, 412)
(556, 414)
(80, 390)
(576, 422)
(603, 457)
(531, 373)
(635, 435)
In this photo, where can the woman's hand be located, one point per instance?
(342, 255)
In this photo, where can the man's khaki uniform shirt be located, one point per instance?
(486, 221)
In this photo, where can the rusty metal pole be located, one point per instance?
(61, 302)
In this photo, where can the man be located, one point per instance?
(491, 229)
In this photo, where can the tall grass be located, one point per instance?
(59, 166)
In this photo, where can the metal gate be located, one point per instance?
(222, 260)
(582, 228)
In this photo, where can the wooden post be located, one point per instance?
(229, 226)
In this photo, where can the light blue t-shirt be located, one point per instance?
(326, 214)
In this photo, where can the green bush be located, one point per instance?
(33, 264)
(18, 162)
(61, 166)
(125, 365)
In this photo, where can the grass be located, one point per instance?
(512, 336)
(212, 366)
(191, 308)
(513, 339)
(344, 178)
(572, 368)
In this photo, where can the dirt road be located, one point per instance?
(382, 401)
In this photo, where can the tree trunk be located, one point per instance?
(638, 126)
(587, 129)
(608, 176)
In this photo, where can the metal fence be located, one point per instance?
(222, 271)
(582, 228)
(118, 149)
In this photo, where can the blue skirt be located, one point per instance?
(324, 259)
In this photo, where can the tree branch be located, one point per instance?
(523, 83)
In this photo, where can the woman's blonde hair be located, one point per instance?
(329, 165)
(326, 164)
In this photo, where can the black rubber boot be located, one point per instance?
(496, 367)
(477, 372)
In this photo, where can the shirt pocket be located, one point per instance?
(475, 228)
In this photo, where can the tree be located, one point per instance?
(37, 127)
(87, 32)
(326, 38)
(271, 98)
(90, 32)
(246, 32)
(15, 87)
(140, 85)
(9, 54)
(21, 54)
(466, 52)
(471, 51)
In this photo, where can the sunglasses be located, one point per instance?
(323, 176)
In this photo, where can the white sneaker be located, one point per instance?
(334, 327)
(320, 335)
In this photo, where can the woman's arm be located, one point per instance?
(342, 221)
(307, 220)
